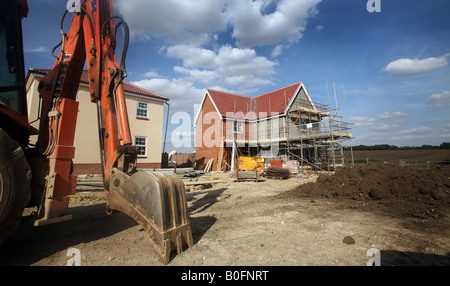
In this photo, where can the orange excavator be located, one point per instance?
(40, 175)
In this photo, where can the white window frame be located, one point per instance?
(238, 127)
(139, 145)
(143, 109)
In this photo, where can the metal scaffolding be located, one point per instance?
(311, 133)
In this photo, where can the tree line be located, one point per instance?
(444, 145)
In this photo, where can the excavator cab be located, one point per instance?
(15, 172)
(12, 75)
(155, 200)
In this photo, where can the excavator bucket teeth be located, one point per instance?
(157, 202)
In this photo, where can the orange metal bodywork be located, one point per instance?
(62, 183)
(156, 201)
(90, 39)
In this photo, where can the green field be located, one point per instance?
(418, 158)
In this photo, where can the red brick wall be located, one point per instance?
(183, 160)
(148, 165)
(87, 169)
(204, 152)
(207, 150)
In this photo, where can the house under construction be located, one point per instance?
(284, 124)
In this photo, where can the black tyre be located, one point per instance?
(15, 177)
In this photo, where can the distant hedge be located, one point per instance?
(444, 145)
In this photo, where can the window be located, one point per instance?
(238, 126)
(12, 74)
(141, 143)
(142, 109)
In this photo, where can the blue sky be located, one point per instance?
(393, 64)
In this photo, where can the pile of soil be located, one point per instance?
(420, 193)
(277, 173)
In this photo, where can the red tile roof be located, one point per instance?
(228, 102)
(127, 87)
(275, 101)
(263, 105)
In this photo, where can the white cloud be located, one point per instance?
(234, 61)
(386, 126)
(383, 122)
(376, 130)
(254, 26)
(445, 131)
(378, 123)
(192, 56)
(247, 81)
(192, 31)
(182, 21)
(253, 22)
(439, 99)
(319, 28)
(182, 94)
(227, 66)
(277, 51)
(36, 50)
(416, 131)
(404, 67)
(152, 74)
(362, 121)
(233, 66)
(409, 137)
(390, 115)
(446, 128)
(204, 76)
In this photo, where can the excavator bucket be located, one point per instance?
(157, 202)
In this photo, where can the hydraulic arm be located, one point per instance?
(155, 200)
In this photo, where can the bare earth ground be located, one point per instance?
(246, 223)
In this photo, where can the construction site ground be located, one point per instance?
(294, 222)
